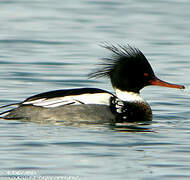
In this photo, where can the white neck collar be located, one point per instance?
(128, 96)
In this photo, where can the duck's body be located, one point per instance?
(89, 105)
(128, 70)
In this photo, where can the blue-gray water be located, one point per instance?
(47, 45)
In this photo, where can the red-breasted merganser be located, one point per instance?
(129, 72)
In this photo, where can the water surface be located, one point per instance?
(47, 45)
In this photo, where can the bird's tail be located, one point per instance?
(7, 111)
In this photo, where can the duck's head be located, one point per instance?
(129, 70)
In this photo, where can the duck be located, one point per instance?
(129, 72)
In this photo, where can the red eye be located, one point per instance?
(146, 74)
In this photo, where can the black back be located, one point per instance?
(65, 92)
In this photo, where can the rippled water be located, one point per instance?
(46, 45)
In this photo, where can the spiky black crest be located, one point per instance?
(120, 54)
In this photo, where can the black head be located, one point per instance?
(128, 69)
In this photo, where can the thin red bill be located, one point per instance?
(159, 82)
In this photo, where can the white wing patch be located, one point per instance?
(95, 98)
